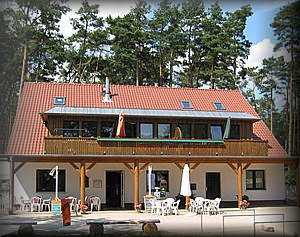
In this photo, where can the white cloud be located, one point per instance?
(261, 50)
(106, 8)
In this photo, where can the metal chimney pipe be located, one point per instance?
(106, 97)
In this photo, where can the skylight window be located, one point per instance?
(59, 101)
(219, 106)
(186, 104)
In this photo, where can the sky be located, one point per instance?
(258, 29)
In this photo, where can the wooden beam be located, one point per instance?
(90, 166)
(233, 167)
(136, 181)
(82, 187)
(74, 166)
(240, 183)
(129, 167)
(246, 166)
(19, 167)
(194, 167)
(179, 166)
(143, 167)
(12, 185)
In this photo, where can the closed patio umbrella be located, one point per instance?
(121, 126)
(185, 184)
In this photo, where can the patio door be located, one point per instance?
(114, 189)
(213, 189)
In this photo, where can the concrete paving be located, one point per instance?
(232, 222)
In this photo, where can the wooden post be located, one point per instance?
(12, 185)
(82, 187)
(136, 181)
(240, 183)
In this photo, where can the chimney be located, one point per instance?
(106, 91)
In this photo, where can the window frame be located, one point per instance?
(170, 129)
(39, 180)
(219, 106)
(84, 129)
(206, 130)
(222, 131)
(254, 183)
(183, 132)
(155, 172)
(112, 133)
(140, 129)
(68, 130)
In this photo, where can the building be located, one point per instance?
(73, 126)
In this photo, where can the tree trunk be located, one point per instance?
(160, 68)
(290, 137)
(171, 69)
(24, 67)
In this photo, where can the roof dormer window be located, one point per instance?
(59, 100)
(219, 106)
(186, 104)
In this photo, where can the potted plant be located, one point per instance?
(138, 207)
(245, 202)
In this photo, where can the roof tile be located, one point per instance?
(28, 129)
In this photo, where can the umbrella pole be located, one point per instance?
(187, 202)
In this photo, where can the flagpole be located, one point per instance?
(56, 182)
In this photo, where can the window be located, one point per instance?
(71, 129)
(255, 180)
(146, 130)
(201, 131)
(46, 183)
(186, 130)
(219, 106)
(186, 104)
(216, 132)
(130, 129)
(59, 101)
(159, 178)
(164, 130)
(107, 129)
(235, 131)
(90, 129)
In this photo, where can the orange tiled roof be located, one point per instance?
(28, 130)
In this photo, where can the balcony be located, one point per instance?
(128, 146)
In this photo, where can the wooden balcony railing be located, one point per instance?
(127, 146)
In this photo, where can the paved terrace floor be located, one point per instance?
(184, 224)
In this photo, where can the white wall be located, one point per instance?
(25, 181)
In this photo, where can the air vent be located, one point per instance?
(219, 106)
(186, 104)
(59, 101)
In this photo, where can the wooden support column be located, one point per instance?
(136, 181)
(240, 183)
(82, 187)
(12, 185)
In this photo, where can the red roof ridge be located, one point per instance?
(140, 86)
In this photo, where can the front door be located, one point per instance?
(114, 189)
(213, 189)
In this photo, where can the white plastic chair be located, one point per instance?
(73, 203)
(215, 204)
(162, 207)
(193, 206)
(95, 203)
(46, 204)
(174, 207)
(169, 202)
(153, 206)
(199, 204)
(25, 204)
(36, 204)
